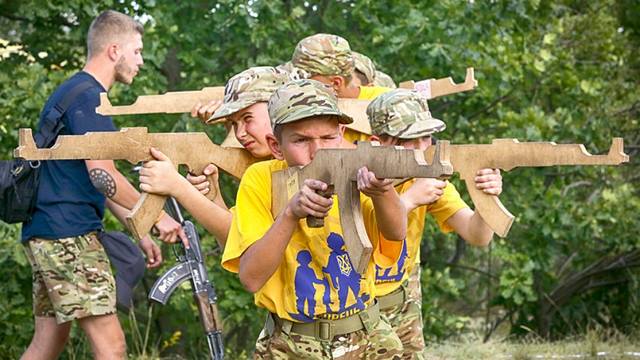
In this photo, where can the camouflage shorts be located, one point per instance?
(406, 319)
(71, 278)
(380, 343)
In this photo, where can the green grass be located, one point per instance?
(591, 346)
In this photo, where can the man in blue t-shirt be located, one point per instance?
(72, 278)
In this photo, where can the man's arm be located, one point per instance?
(108, 180)
(262, 258)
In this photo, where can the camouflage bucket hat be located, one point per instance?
(364, 64)
(323, 54)
(382, 79)
(300, 99)
(251, 86)
(403, 114)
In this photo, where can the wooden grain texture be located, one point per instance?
(507, 154)
(193, 150)
(433, 88)
(184, 101)
(339, 167)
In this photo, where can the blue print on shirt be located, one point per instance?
(383, 275)
(342, 278)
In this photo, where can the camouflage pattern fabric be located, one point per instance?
(301, 99)
(253, 85)
(382, 79)
(403, 114)
(406, 319)
(380, 343)
(71, 278)
(364, 65)
(324, 54)
(294, 72)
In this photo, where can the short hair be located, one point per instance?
(363, 78)
(108, 27)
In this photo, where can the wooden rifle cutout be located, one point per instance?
(194, 150)
(184, 101)
(507, 154)
(339, 167)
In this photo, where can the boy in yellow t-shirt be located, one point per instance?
(402, 117)
(329, 59)
(245, 106)
(319, 306)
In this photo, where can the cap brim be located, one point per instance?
(422, 128)
(227, 109)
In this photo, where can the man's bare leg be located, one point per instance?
(48, 339)
(105, 335)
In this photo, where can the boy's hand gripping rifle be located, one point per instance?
(191, 267)
(184, 101)
(507, 154)
(195, 150)
(338, 168)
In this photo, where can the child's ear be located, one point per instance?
(337, 82)
(274, 146)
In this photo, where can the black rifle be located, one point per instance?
(191, 267)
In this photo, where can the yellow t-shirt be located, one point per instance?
(366, 93)
(315, 278)
(372, 92)
(389, 278)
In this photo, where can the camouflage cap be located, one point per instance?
(324, 54)
(364, 65)
(300, 99)
(382, 79)
(251, 86)
(294, 72)
(403, 114)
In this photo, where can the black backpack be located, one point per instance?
(19, 178)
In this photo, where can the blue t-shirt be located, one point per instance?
(68, 204)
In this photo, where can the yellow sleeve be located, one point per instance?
(252, 216)
(449, 203)
(372, 92)
(385, 252)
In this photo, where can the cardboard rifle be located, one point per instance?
(504, 154)
(184, 101)
(194, 150)
(338, 168)
(507, 154)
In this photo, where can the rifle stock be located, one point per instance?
(339, 167)
(194, 150)
(508, 154)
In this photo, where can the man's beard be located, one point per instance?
(124, 73)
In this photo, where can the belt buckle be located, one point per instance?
(324, 329)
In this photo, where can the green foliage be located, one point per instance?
(562, 71)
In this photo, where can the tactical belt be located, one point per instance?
(394, 298)
(325, 330)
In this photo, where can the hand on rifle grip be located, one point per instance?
(318, 222)
(308, 202)
(206, 182)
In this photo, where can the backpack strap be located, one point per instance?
(51, 126)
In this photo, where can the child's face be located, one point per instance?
(421, 143)
(300, 140)
(251, 126)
